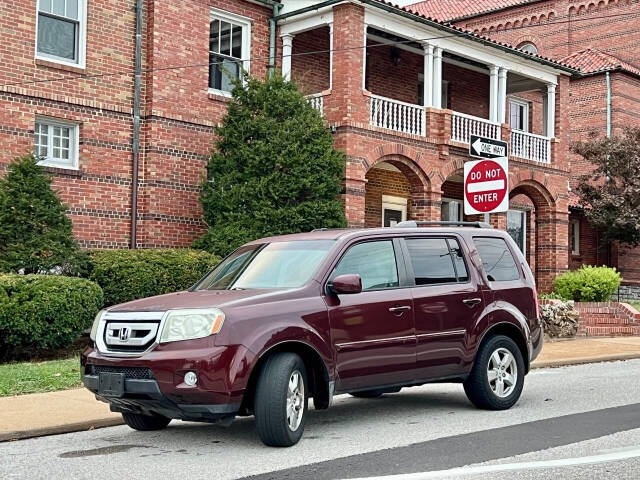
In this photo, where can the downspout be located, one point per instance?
(137, 81)
(272, 38)
(608, 79)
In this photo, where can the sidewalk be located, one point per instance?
(65, 411)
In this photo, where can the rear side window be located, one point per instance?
(375, 262)
(436, 260)
(497, 260)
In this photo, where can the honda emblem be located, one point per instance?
(124, 334)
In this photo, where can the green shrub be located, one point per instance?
(35, 233)
(126, 275)
(588, 284)
(44, 312)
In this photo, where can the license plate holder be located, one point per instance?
(111, 384)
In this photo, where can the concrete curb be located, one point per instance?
(111, 422)
(584, 360)
(57, 429)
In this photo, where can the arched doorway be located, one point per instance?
(396, 189)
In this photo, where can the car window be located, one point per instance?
(497, 260)
(432, 260)
(375, 262)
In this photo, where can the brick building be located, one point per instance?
(402, 109)
(598, 38)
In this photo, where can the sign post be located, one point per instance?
(486, 181)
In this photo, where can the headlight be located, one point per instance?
(94, 327)
(191, 323)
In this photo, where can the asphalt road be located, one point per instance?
(572, 422)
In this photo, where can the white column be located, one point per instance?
(493, 93)
(551, 110)
(364, 59)
(502, 95)
(437, 77)
(287, 50)
(330, 55)
(427, 92)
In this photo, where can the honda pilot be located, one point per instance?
(290, 318)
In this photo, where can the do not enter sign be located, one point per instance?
(486, 186)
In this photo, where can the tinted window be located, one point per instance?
(497, 260)
(375, 262)
(432, 260)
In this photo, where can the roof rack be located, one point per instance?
(420, 223)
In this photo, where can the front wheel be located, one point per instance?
(281, 400)
(497, 376)
(145, 422)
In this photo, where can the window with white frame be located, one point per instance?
(575, 237)
(451, 210)
(528, 47)
(61, 31)
(56, 143)
(229, 47)
(517, 228)
(519, 114)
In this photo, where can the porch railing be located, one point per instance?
(463, 126)
(530, 146)
(317, 101)
(397, 115)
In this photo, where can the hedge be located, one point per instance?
(126, 275)
(44, 312)
(587, 284)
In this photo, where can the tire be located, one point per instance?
(501, 391)
(145, 422)
(367, 394)
(280, 411)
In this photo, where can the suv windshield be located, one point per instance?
(271, 265)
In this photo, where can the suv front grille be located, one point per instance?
(130, 336)
(137, 373)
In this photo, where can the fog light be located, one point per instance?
(190, 378)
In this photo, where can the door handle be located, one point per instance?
(399, 310)
(471, 302)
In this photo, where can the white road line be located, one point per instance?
(613, 456)
(488, 186)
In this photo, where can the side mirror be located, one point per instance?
(347, 283)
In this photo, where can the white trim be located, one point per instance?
(524, 228)
(82, 39)
(525, 117)
(399, 204)
(464, 47)
(303, 23)
(574, 224)
(245, 23)
(74, 142)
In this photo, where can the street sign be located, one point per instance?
(486, 186)
(481, 147)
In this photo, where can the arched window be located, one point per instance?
(528, 47)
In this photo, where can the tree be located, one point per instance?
(611, 193)
(35, 233)
(273, 170)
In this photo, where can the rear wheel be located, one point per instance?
(281, 400)
(497, 377)
(145, 422)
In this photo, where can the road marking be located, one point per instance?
(612, 456)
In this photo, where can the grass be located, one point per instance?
(33, 377)
(634, 303)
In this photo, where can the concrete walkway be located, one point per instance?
(65, 411)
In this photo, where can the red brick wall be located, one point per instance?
(385, 78)
(468, 90)
(177, 123)
(311, 70)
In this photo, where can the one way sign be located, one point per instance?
(481, 147)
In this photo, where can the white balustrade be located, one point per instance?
(317, 101)
(397, 115)
(530, 146)
(463, 126)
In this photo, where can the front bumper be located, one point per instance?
(144, 396)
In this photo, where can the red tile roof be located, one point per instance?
(591, 60)
(449, 9)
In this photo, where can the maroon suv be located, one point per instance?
(313, 315)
